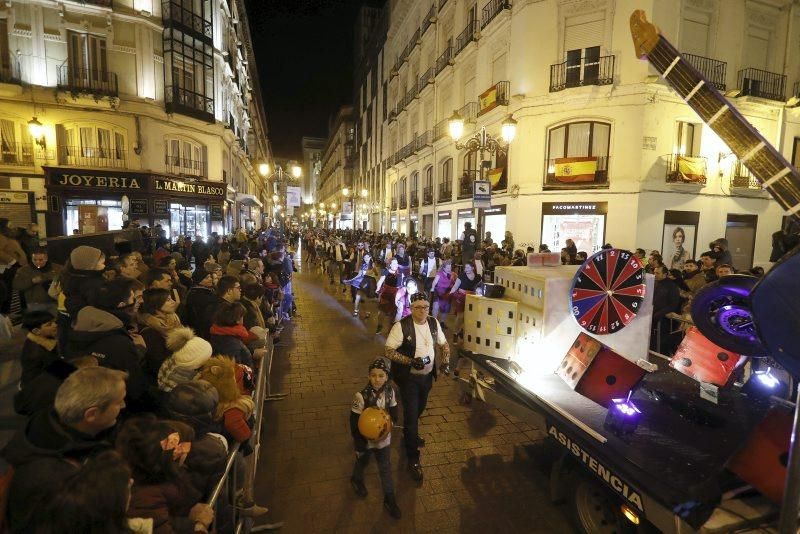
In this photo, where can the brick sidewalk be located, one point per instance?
(484, 472)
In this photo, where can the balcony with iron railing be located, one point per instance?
(686, 169)
(713, 70)
(10, 73)
(89, 81)
(427, 196)
(394, 204)
(428, 20)
(414, 199)
(589, 172)
(469, 112)
(423, 140)
(100, 3)
(82, 156)
(492, 9)
(589, 71)
(403, 204)
(175, 13)
(186, 166)
(743, 179)
(762, 84)
(425, 79)
(188, 102)
(465, 184)
(20, 154)
(445, 191)
(502, 93)
(466, 36)
(444, 59)
(441, 129)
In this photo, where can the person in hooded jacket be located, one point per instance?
(79, 279)
(39, 349)
(105, 329)
(229, 335)
(52, 445)
(201, 297)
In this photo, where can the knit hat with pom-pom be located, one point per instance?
(188, 350)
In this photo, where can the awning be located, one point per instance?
(248, 200)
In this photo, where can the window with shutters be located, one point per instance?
(427, 186)
(687, 138)
(86, 68)
(184, 156)
(446, 181)
(584, 36)
(695, 32)
(578, 155)
(469, 174)
(92, 145)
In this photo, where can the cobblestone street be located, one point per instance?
(484, 472)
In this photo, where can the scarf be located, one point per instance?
(161, 322)
(45, 342)
(237, 331)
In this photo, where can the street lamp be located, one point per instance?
(297, 172)
(364, 193)
(346, 192)
(36, 129)
(481, 141)
(263, 169)
(275, 198)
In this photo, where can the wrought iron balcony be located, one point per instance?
(465, 186)
(16, 154)
(414, 199)
(427, 196)
(423, 140)
(589, 71)
(187, 102)
(502, 92)
(686, 169)
(394, 204)
(428, 20)
(445, 192)
(81, 156)
(179, 165)
(492, 9)
(575, 178)
(762, 84)
(742, 178)
(714, 70)
(403, 201)
(444, 59)
(466, 36)
(101, 3)
(426, 78)
(80, 80)
(441, 129)
(469, 111)
(180, 14)
(10, 73)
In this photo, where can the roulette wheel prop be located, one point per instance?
(607, 291)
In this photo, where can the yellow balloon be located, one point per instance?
(374, 423)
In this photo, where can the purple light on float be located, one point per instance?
(623, 416)
(626, 407)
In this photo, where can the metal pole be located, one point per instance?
(791, 491)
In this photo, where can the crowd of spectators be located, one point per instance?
(138, 374)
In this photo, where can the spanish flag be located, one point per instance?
(570, 170)
(691, 169)
(488, 100)
(495, 176)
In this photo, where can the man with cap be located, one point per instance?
(201, 297)
(81, 279)
(411, 347)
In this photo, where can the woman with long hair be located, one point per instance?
(466, 283)
(156, 318)
(402, 299)
(679, 253)
(391, 280)
(363, 283)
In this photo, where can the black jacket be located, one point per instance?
(233, 347)
(104, 334)
(43, 454)
(666, 299)
(201, 302)
(401, 372)
(78, 287)
(39, 393)
(34, 359)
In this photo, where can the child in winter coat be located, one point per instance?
(235, 407)
(377, 393)
(189, 353)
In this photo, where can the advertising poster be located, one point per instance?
(678, 244)
(584, 223)
(292, 196)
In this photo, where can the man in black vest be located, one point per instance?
(411, 348)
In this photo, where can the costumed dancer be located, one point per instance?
(391, 280)
(442, 284)
(402, 299)
(403, 260)
(378, 393)
(466, 283)
(363, 283)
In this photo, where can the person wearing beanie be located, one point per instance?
(201, 298)
(79, 280)
(378, 393)
(194, 403)
(189, 354)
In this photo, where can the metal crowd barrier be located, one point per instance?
(223, 498)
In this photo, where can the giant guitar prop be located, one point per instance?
(757, 319)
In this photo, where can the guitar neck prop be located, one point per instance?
(772, 170)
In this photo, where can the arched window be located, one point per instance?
(469, 174)
(427, 186)
(403, 188)
(184, 156)
(577, 155)
(414, 193)
(16, 146)
(92, 145)
(446, 181)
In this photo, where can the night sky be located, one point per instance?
(304, 50)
